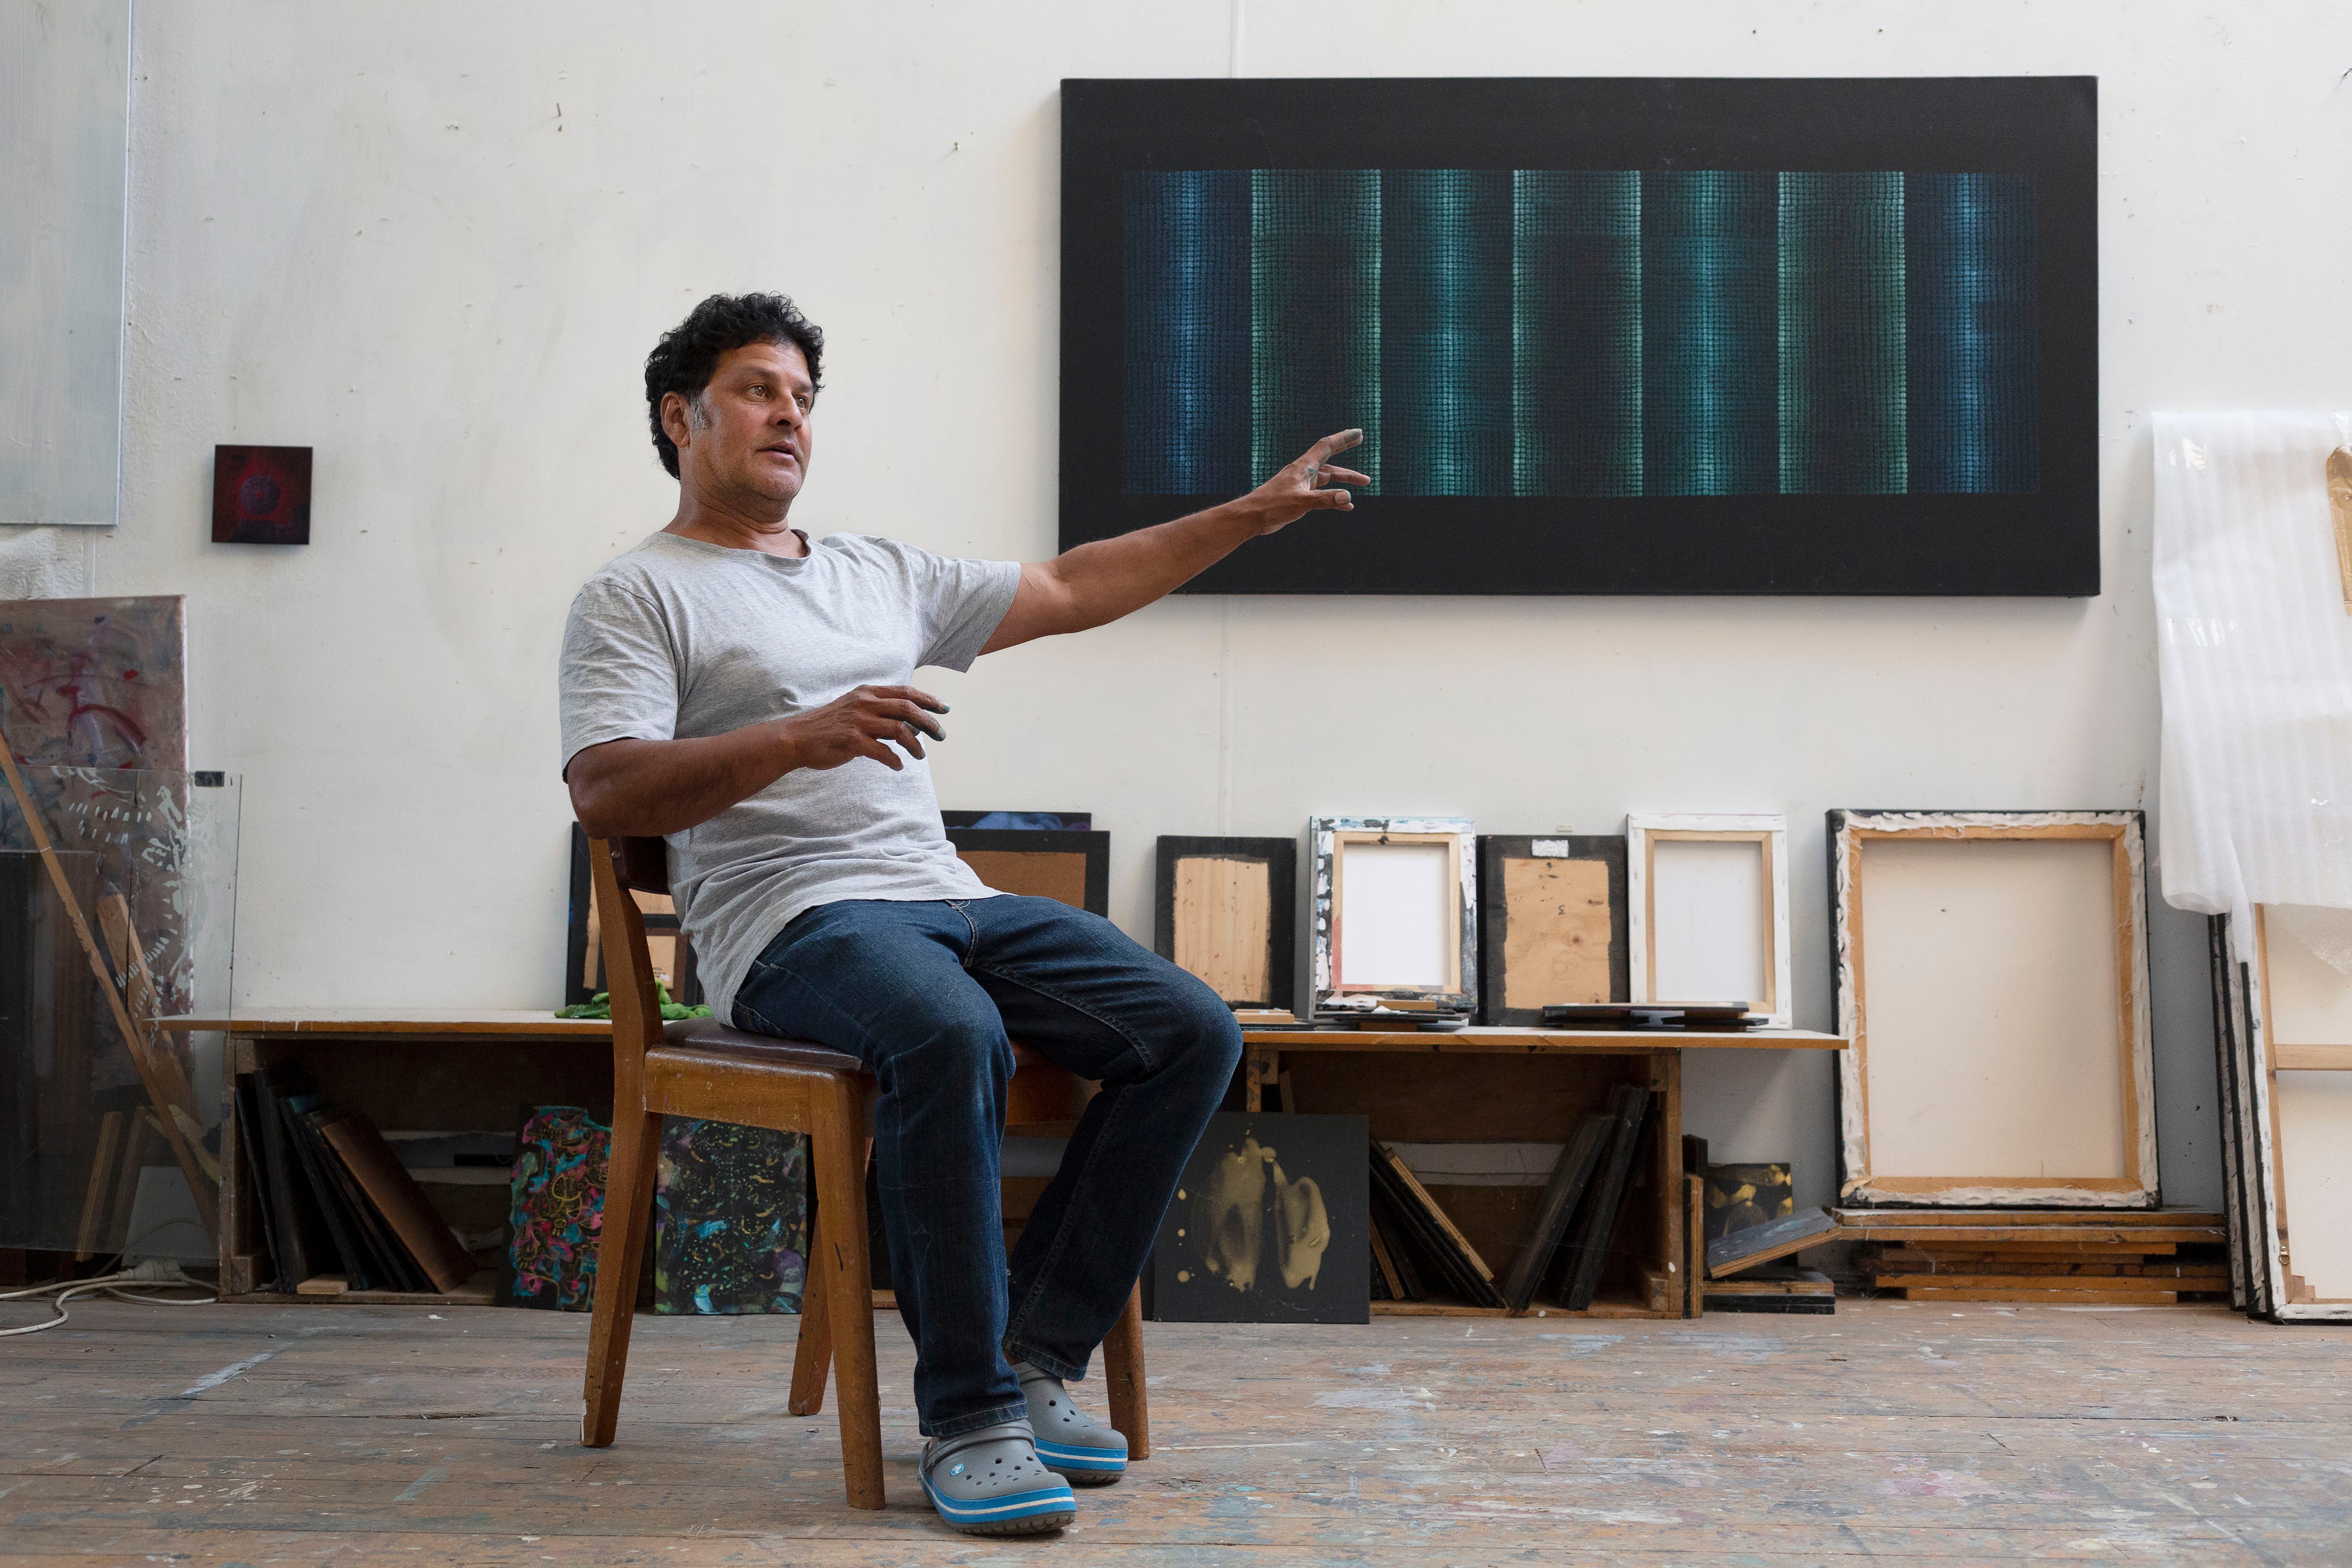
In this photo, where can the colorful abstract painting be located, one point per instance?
(96, 683)
(556, 1210)
(730, 1219)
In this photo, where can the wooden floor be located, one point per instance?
(1940, 1433)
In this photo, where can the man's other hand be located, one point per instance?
(865, 722)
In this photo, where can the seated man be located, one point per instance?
(743, 690)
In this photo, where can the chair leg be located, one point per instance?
(1130, 1404)
(813, 1357)
(838, 1139)
(620, 1251)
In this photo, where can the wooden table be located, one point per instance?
(448, 1070)
(1518, 1085)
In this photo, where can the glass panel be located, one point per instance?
(110, 1130)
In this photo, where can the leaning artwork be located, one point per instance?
(1271, 1224)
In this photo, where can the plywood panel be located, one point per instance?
(1991, 1009)
(1038, 874)
(2314, 1133)
(1557, 931)
(1221, 911)
(2311, 1002)
(1396, 916)
(1711, 940)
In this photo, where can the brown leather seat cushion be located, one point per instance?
(710, 1034)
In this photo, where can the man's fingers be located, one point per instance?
(914, 717)
(1338, 441)
(867, 746)
(910, 694)
(1335, 501)
(1343, 476)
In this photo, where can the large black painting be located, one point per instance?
(1620, 336)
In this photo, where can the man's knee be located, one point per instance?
(945, 1039)
(1204, 1026)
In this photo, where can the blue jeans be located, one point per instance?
(929, 996)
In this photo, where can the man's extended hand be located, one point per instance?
(863, 723)
(1310, 484)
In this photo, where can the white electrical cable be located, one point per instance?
(163, 1273)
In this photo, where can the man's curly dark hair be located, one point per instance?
(688, 352)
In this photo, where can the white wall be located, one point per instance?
(367, 230)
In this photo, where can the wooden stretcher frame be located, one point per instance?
(2125, 833)
(1644, 831)
(1328, 836)
(1280, 858)
(2277, 1292)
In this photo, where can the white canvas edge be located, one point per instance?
(1853, 1144)
(1321, 842)
(1639, 826)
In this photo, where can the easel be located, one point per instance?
(159, 1071)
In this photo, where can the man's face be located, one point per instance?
(748, 434)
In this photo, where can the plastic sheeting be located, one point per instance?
(2255, 659)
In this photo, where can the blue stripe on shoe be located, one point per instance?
(1083, 1459)
(1020, 1505)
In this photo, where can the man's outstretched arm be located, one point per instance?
(1098, 583)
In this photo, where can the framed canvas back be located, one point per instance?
(1707, 901)
(1396, 903)
(1991, 974)
(1224, 910)
(1552, 924)
(1070, 867)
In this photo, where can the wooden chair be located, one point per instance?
(700, 1067)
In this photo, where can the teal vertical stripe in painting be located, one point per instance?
(1710, 329)
(1187, 263)
(1315, 313)
(1841, 334)
(1972, 323)
(1446, 331)
(1576, 330)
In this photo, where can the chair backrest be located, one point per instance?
(618, 867)
(645, 864)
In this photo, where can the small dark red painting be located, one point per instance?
(261, 495)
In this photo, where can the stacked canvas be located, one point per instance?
(335, 1201)
(2252, 573)
(2284, 1041)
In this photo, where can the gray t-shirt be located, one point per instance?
(679, 639)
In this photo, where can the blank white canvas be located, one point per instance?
(1710, 937)
(2315, 1130)
(2311, 1003)
(1395, 921)
(1994, 1045)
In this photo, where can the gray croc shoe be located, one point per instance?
(1075, 1445)
(989, 1482)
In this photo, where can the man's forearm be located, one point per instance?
(1113, 578)
(641, 789)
